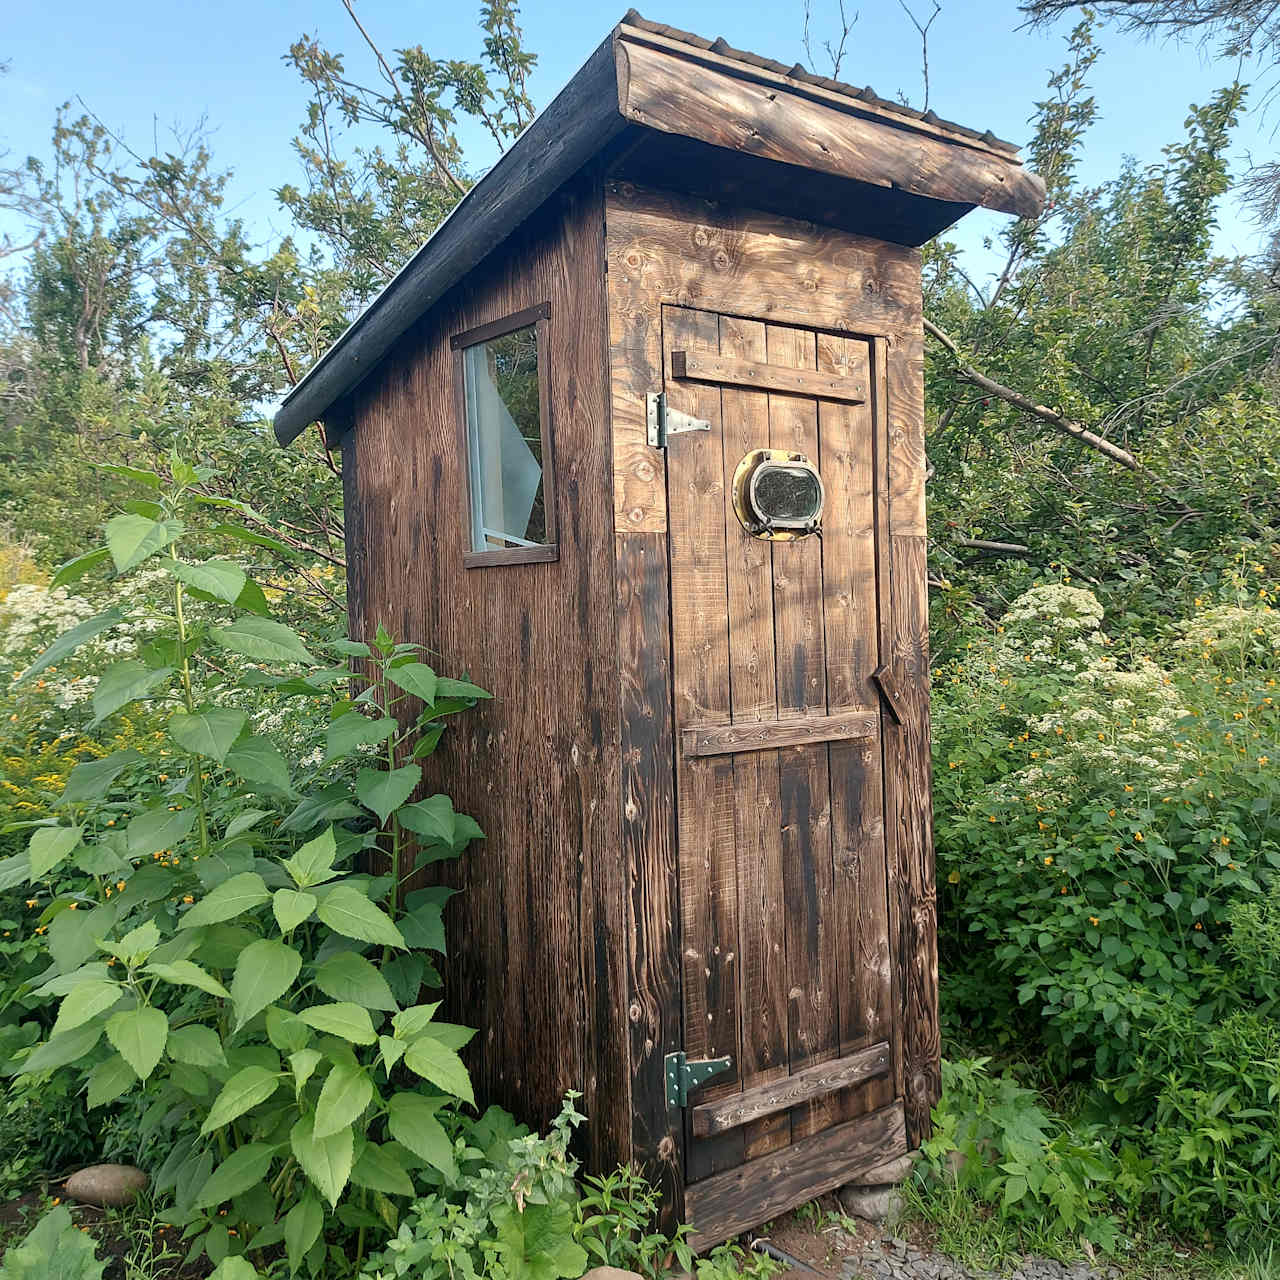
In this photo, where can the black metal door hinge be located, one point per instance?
(684, 1076)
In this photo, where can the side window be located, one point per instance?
(504, 407)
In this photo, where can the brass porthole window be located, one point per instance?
(778, 495)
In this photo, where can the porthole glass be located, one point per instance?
(778, 495)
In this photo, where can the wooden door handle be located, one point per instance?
(889, 691)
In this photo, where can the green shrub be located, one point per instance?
(55, 1249)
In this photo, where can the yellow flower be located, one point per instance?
(120, 885)
(74, 905)
(1127, 787)
(1048, 862)
(1063, 889)
(1199, 925)
(1093, 920)
(1224, 840)
(42, 929)
(991, 817)
(1264, 759)
(32, 902)
(1139, 837)
(951, 764)
(186, 897)
(954, 878)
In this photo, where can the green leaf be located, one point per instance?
(325, 1161)
(137, 474)
(392, 1050)
(186, 973)
(346, 1093)
(243, 822)
(92, 779)
(411, 1121)
(86, 1001)
(231, 898)
(384, 791)
(55, 1249)
(136, 945)
(347, 976)
(234, 1267)
(132, 539)
(416, 678)
(62, 1050)
(254, 539)
(286, 1030)
(70, 570)
(302, 1229)
(108, 1080)
(70, 641)
(351, 730)
(139, 1035)
(242, 1169)
(436, 1062)
(348, 911)
(222, 579)
(211, 732)
(313, 863)
(258, 761)
(49, 847)
(349, 1021)
(378, 1170)
(123, 683)
(158, 829)
(195, 1045)
(262, 640)
(459, 689)
(433, 818)
(351, 648)
(265, 971)
(303, 1064)
(244, 1091)
(292, 908)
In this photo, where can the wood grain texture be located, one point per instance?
(727, 1204)
(735, 739)
(801, 1086)
(536, 957)
(666, 92)
(733, 371)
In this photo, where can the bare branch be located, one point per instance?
(923, 29)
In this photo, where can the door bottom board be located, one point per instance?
(780, 1095)
(728, 1203)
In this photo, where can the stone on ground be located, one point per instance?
(109, 1186)
(611, 1273)
(878, 1204)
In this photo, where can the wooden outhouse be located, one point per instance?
(636, 441)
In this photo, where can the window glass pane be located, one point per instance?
(504, 437)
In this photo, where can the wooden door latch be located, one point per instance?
(889, 691)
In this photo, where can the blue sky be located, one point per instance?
(144, 65)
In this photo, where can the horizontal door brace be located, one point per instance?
(766, 735)
(702, 367)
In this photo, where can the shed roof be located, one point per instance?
(706, 105)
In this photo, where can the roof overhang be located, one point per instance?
(742, 118)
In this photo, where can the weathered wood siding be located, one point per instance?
(536, 934)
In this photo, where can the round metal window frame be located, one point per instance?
(743, 494)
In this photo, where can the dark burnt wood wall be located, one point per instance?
(535, 936)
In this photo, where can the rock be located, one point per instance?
(611, 1273)
(108, 1185)
(877, 1204)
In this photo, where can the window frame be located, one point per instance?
(540, 318)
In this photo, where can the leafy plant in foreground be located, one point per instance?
(220, 956)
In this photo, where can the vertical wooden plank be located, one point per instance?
(654, 1007)
(756, 812)
(700, 648)
(860, 903)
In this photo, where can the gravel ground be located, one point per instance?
(895, 1259)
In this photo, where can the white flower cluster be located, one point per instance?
(1051, 628)
(1232, 632)
(31, 616)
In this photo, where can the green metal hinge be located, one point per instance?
(684, 1076)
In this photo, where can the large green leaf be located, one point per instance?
(242, 1169)
(64, 1049)
(325, 1161)
(347, 976)
(313, 863)
(385, 790)
(378, 1170)
(195, 1045)
(344, 1019)
(49, 847)
(92, 779)
(86, 1001)
(69, 571)
(302, 1229)
(459, 689)
(123, 683)
(186, 973)
(70, 641)
(222, 579)
(244, 1091)
(434, 1061)
(234, 1267)
(231, 898)
(139, 1035)
(411, 1121)
(131, 539)
(108, 1080)
(258, 761)
(416, 678)
(263, 641)
(211, 731)
(265, 971)
(351, 730)
(55, 1249)
(158, 829)
(346, 1093)
(291, 908)
(348, 911)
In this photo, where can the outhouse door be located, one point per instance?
(783, 878)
